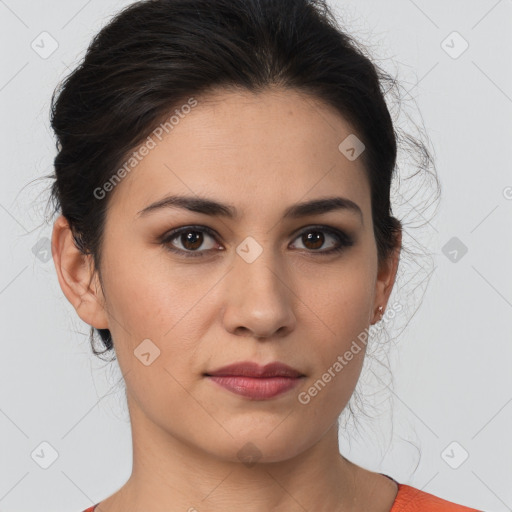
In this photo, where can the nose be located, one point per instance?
(259, 300)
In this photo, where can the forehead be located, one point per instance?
(256, 150)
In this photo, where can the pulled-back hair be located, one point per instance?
(154, 55)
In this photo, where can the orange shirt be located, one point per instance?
(410, 499)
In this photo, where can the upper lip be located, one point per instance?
(250, 369)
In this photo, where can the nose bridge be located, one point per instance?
(258, 297)
(257, 264)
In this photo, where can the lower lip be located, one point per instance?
(257, 388)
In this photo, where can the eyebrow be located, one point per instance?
(214, 208)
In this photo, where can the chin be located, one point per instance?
(268, 445)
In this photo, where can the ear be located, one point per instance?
(386, 279)
(77, 277)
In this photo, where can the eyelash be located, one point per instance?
(344, 240)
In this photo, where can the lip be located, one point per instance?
(250, 369)
(256, 388)
(256, 382)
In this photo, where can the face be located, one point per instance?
(255, 280)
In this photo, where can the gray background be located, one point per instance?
(451, 366)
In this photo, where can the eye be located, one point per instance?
(192, 238)
(314, 238)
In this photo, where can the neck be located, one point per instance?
(171, 475)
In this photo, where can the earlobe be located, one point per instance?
(76, 276)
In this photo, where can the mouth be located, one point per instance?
(256, 388)
(256, 382)
(251, 369)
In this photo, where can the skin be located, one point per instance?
(262, 153)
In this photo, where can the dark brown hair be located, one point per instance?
(155, 54)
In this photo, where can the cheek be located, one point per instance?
(145, 303)
(146, 296)
(340, 308)
(341, 297)
(150, 298)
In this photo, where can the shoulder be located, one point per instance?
(410, 499)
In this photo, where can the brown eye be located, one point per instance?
(188, 240)
(315, 237)
(191, 239)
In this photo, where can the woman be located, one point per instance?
(223, 177)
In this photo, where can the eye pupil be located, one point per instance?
(317, 240)
(192, 237)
